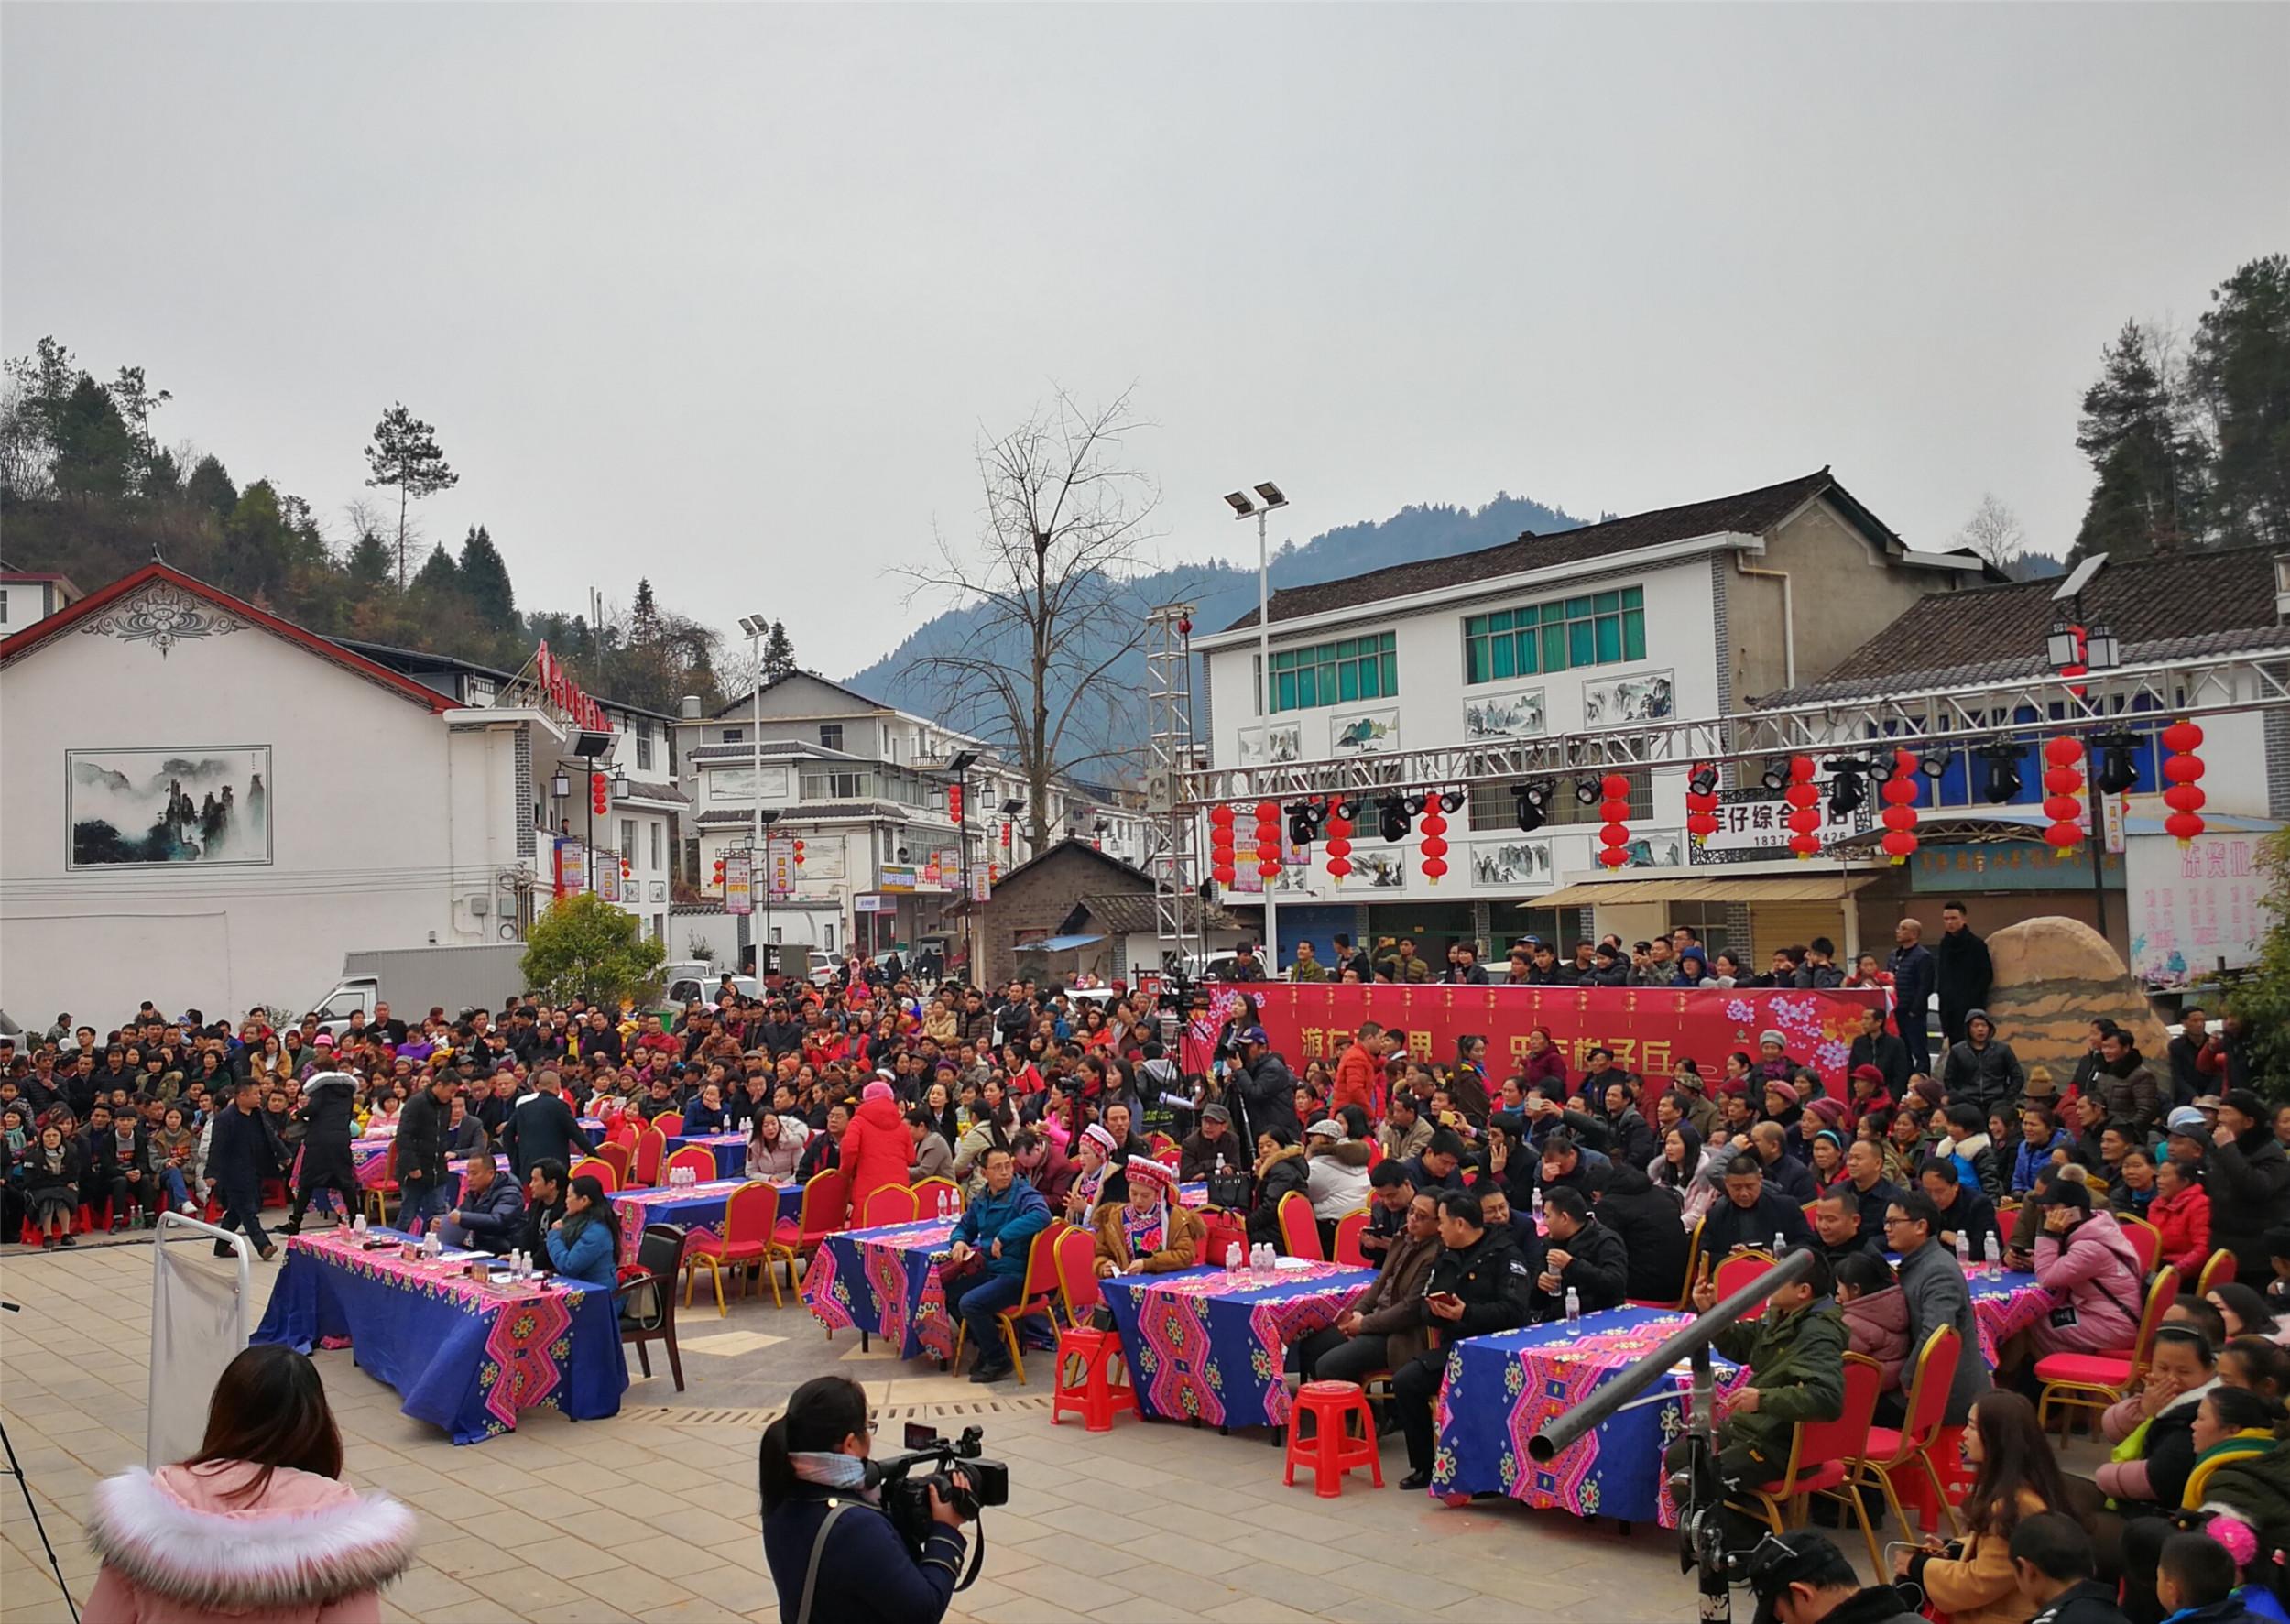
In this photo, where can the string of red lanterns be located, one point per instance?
(1222, 866)
(1339, 842)
(1433, 826)
(1701, 805)
(1614, 834)
(2063, 779)
(1899, 808)
(1268, 838)
(2183, 769)
(1804, 816)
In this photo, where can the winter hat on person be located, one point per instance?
(1153, 1172)
(1868, 1074)
(2186, 1123)
(1102, 1137)
(875, 1091)
(325, 1041)
(1773, 1035)
(1828, 1112)
(1327, 1127)
(1787, 1092)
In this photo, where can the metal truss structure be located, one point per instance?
(2008, 709)
(1171, 827)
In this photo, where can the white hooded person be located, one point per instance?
(257, 1527)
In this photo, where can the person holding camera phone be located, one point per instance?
(835, 1557)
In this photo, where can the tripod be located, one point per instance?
(16, 1470)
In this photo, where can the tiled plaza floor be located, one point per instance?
(652, 1514)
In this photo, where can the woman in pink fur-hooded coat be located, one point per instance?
(257, 1528)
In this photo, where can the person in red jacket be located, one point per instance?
(1359, 1079)
(877, 1146)
(2181, 1211)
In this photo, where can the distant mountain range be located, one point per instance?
(1222, 594)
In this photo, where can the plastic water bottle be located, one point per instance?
(1964, 1251)
(1778, 1244)
(1535, 1202)
(1232, 1260)
(1574, 1309)
(1994, 1257)
(357, 1225)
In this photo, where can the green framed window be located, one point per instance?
(1337, 672)
(1598, 628)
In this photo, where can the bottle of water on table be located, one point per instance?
(1232, 1261)
(1964, 1252)
(1574, 1309)
(1994, 1255)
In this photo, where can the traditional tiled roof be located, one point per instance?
(1747, 513)
(1131, 914)
(2206, 601)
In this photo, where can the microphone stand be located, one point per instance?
(16, 1470)
(1701, 1533)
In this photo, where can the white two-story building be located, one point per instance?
(863, 786)
(1681, 612)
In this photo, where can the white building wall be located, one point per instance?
(1681, 639)
(361, 795)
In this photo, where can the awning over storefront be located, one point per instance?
(1699, 887)
(1057, 943)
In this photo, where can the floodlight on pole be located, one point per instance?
(1272, 496)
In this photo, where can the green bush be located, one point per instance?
(585, 947)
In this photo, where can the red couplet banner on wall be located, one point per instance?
(1649, 1030)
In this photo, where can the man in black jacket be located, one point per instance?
(1479, 1285)
(542, 1128)
(544, 1205)
(1266, 1087)
(329, 1113)
(1463, 968)
(1878, 1048)
(1583, 1255)
(1964, 1209)
(1912, 968)
(1783, 1172)
(1962, 971)
(1837, 1231)
(422, 1172)
(2249, 1183)
(1751, 1214)
(242, 1154)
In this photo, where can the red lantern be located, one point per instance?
(1433, 826)
(1614, 809)
(2061, 781)
(1701, 805)
(1899, 808)
(2183, 771)
(1222, 866)
(1339, 846)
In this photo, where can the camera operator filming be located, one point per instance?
(852, 1540)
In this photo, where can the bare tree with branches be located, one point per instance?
(1048, 609)
(1993, 531)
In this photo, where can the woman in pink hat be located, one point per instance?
(877, 1146)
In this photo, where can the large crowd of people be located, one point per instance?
(1497, 1194)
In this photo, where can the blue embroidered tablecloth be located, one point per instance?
(730, 1150)
(885, 1282)
(1202, 1346)
(466, 1358)
(698, 1207)
(1503, 1389)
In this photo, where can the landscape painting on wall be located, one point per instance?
(1503, 715)
(1276, 745)
(1363, 733)
(1628, 698)
(1511, 863)
(205, 806)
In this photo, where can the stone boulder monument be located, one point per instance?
(2054, 976)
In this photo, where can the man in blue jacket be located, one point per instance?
(491, 1214)
(998, 1225)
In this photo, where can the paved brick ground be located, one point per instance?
(1153, 1522)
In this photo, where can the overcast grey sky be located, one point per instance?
(723, 295)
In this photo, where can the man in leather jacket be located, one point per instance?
(1480, 1284)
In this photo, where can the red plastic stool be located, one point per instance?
(1096, 1396)
(1332, 1449)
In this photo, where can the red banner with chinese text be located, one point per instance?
(1649, 1028)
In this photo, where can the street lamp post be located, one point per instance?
(960, 767)
(1269, 495)
(759, 857)
(2075, 647)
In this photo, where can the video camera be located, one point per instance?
(964, 1479)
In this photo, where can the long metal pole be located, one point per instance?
(759, 859)
(1264, 675)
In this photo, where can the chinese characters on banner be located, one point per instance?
(2195, 907)
(738, 893)
(1649, 1030)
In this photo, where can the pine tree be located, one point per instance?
(2240, 368)
(210, 487)
(367, 568)
(438, 573)
(404, 457)
(485, 580)
(2148, 467)
(644, 614)
(96, 455)
(778, 654)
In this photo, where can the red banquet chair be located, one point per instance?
(1038, 1296)
(1736, 1271)
(749, 1217)
(2093, 1381)
(1825, 1455)
(826, 1197)
(1299, 1231)
(1890, 1450)
(1349, 1230)
(651, 1149)
(893, 1204)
